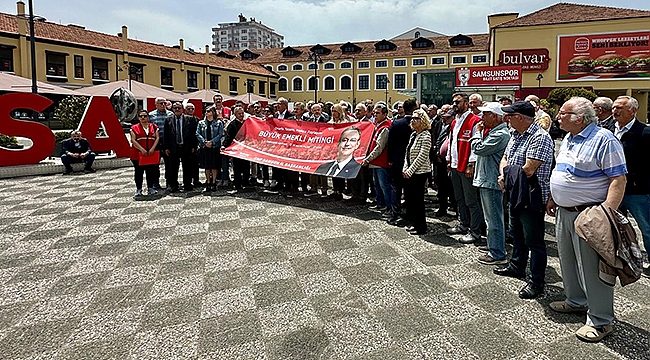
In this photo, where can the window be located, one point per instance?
(312, 66)
(297, 84)
(479, 59)
(192, 80)
(346, 83)
(6, 59)
(459, 42)
(244, 37)
(417, 34)
(268, 67)
(232, 80)
(419, 62)
(55, 64)
(224, 32)
(381, 63)
(262, 86)
(364, 82)
(415, 80)
(380, 81)
(312, 83)
(363, 64)
(329, 66)
(136, 72)
(100, 69)
(421, 44)
(459, 59)
(224, 46)
(438, 60)
(282, 68)
(244, 31)
(224, 39)
(349, 48)
(400, 81)
(384, 46)
(272, 87)
(214, 81)
(282, 84)
(346, 65)
(245, 46)
(297, 67)
(78, 66)
(399, 62)
(329, 83)
(250, 86)
(166, 76)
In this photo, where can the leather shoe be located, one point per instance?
(507, 271)
(409, 228)
(417, 232)
(458, 229)
(531, 291)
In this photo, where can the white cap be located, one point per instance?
(493, 107)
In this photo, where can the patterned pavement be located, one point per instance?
(86, 272)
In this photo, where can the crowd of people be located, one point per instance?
(493, 163)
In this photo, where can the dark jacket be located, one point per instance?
(69, 146)
(398, 139)
(189, 133)
(231, 132)
(287, 115)
(435, 149)
(636, 145)
(349, 171)
(524, 193)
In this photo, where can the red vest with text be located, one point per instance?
(382, 159)
(146, 141)
(464, 136)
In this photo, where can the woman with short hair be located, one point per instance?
(416, 169)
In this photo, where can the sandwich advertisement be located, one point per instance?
(607, 56)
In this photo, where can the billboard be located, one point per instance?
(530, 59)
(489, 76)
(605, 56)
(317, 148)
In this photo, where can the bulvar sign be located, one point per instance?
(528, 59)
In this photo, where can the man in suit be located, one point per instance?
(77, 150)
(635, 137)
(345, 166)
(280, 175)
(180, 146)
(189, 114)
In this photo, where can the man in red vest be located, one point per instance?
(460, 161)
(377, 160)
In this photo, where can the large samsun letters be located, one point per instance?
(99, 110)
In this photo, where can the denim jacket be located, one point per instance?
(217, 133)
(489, 152)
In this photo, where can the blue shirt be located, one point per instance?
(158, 118)
(584, 165)
(536, 144)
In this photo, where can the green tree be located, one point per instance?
(559, 96)
(70, 110)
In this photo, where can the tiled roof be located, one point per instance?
(368, 51)
(78, 35)
(563, 13)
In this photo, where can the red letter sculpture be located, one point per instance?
(98, 111)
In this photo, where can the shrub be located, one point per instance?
(6, 141)
(70, 110)
(61, 136)
(559, 96)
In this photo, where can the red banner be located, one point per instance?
(489, 76)
(309, 147)
(609, 56)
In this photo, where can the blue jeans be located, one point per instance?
(382, 187)
(639, 206)
(527, 229)
(491, 202)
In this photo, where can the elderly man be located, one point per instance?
(377, 159)
(461, 160)
(77, 150)
(280, 175)
(194, 121)
(475, 100)
(590, 170)
(603, 108)
(317, 114)
(158, 117)
(489, 148)
(440, 149)
(180, 146)
(218, 104)
(524, 172)
(541, 117)
(635, 137)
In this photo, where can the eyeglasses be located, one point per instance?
(562, 113)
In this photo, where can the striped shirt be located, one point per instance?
(585, 164)
(536, 144)
(159, 118)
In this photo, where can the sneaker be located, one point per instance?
(483, 248)
(377, 208)
(456, 230)
(138, 193)
(89, 171)
(488, 260)
(468, 238)
(267, 183)
(563, 307)
(152, 191)
(273, 183)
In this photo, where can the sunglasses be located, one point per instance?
(177, 108)
(143, 116)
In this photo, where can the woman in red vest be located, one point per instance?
(144, 156)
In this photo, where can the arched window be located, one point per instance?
(297, 84)
(329, 83)
(312, 83)
(282, 68)
(296, 67)
(282, 84)
(417, 34)
(329, 66)
(312, 66)
(346, 65)
(346, 82)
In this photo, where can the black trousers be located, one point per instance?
(242, 172)
(414, 197)
(152, 172)
(445, 189)
(182, 155)
(360, 184)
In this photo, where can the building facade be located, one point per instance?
(244, 34)
(74, 57)
(417, 32)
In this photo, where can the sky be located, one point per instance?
(302, 22)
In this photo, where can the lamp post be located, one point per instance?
(32, 47)
(317, 60)
(248, 89)
(539, 83)
(387, 82)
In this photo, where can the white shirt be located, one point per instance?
(619, 132)
(453, 147)
(339, 166)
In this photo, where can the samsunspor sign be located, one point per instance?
(489, 76)
(528, 59)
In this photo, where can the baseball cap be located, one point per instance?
(493, 107)
(449, 113)
(520, 107)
